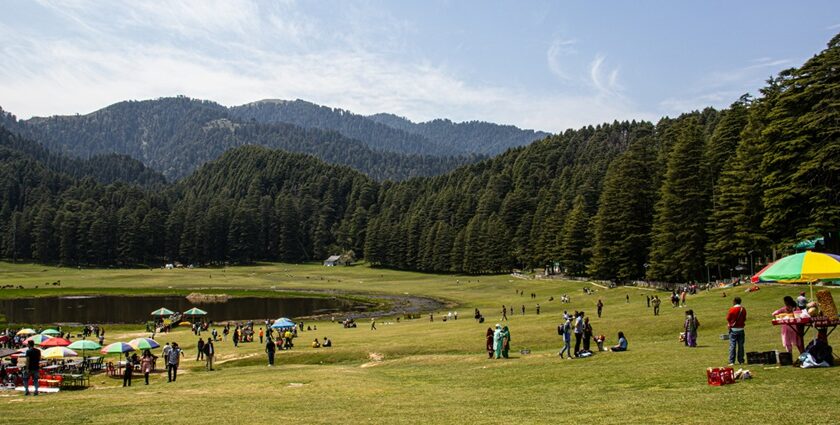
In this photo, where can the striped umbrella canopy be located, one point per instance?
(26, 331)
(163, 311)
(195, 311)
(37, 339)
(84, 344)
(802, 267)
(116, 348)
(55, 342)
(58, 353)
(50, 332)
(143, 344)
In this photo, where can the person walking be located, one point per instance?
(627, 297)
(566, 331)
(523, 309)
(578, 332)
(373, 323)
(33, 367)
(236, 337)
(538, 309)
(270, 348)
(504, 312)
(209, 354)
(656, 302)
(129, 370)
(691, 324)
(600, 306)
(736, 319)
(200, 349)
(146, 365)
(262, 334)
(172, 362)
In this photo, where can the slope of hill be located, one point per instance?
(176, 135)
(473, 136)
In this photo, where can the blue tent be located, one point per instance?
(283, 323)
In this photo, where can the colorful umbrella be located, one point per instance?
(84, 346)
(37, 339)
(26, 331)
(116, 348)
(802, 267)
(58, 353)
(195, 311)
(50, 332)
(163, 311)
(55, 342)
(143, 344)
(283, 323)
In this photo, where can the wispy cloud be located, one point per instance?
(236, 51)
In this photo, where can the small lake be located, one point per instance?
(136, 309)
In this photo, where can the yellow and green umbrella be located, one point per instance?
(802, 267)
(58, 353)
(26, 331)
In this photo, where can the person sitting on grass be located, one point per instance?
(622, 343)
(327, 342)
(316, 344)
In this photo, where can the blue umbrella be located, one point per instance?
(283, 323)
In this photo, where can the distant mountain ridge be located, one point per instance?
(476, 137)
(176, 135)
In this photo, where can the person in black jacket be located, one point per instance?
(33, 366)
(269, 349)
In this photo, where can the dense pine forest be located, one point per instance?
(683, 199)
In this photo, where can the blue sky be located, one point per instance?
(547, 65)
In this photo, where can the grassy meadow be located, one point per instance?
(418, 371)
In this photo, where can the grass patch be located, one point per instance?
(417, 371)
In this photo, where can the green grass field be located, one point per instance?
(421, 372)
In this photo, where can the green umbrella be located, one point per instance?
(163, 311)
(84, 346)
(195, 311)
(51, 332)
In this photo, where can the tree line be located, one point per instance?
(678, 200)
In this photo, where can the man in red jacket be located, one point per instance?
(736, 319)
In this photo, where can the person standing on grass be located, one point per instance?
(236, 337)
(488, 340)
(269, 349)
(200, 349)
(736, 319)
(600, 306)
(146, 364)
(523, 309)
(33, 367)
(587, 334)
(504, 312)
(647, 297)
(262, 334)
(129, 370)
(209, 353)
(538, 309)
(790, 336)
(682, 297)
(566, 331)
(627, 297)
(656, 302)
(172, 362)
(497, 341)
(578, 332)
(690, 326)
(373, 323)
(505, 342)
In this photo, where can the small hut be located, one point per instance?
(334, 260)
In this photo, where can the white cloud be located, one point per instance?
(235, 52)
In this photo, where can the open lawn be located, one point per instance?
(426, 372)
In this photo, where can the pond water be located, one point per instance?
(136, 309)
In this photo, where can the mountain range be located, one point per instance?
(176, 135)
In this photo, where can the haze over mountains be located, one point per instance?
(176, 135)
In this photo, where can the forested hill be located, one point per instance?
(391, 133)
(688, 198)
(375, 135)
(473, 136)
(105, 169)
(176, 135)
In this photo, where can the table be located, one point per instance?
(802, 325)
